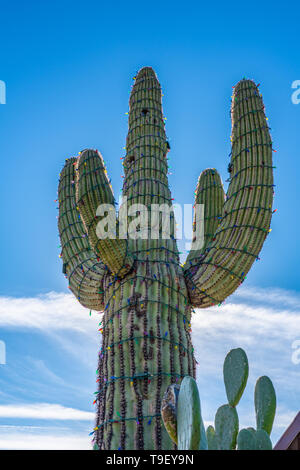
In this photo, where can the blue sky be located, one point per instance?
(68, 68)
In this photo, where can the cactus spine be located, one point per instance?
(146, 295)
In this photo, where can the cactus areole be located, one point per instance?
(146, 295)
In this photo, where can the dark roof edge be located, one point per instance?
(289, 434)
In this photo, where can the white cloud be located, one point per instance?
(264, 322)
(52, 311)
(249, 321)
(276, 297)
(20, 441)
(44, 411)
(265, 319)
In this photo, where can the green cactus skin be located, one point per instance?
(146, 295)
(265, 404)
(235, 373)
(212, 440)
(262, 440)
(249, 439)
(227, 427)
(203, 440)
(246, 440)
(252, 430)
(190, 429)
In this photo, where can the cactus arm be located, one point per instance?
(246, 440)
(145, 163)
(181, 414)
(227, 427)
(250, 439)
(80, 265)
(247, 209)
(203, 439)
(235, 373)
(190, 429)
(146, 169)
(212, 440)
(262, 440)
(92, 190)
(265, 403)
(210, 194)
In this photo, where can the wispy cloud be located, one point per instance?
(270, 318)
(42, 371)
(242, 320)
(264, 322)
(275, 296)
(19, 439)
(46, 411)
(52, 311)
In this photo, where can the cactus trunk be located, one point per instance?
(146, 347)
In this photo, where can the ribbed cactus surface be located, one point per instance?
(137, 281)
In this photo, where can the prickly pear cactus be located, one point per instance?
(246, 440)
(226, 427)
(212, 440)
(265, 404)
(250, 439)
(137, 281)
(235, 373)
(225, 435)
(181, 414)
(190, 428)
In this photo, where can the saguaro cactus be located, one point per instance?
(146, 295)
